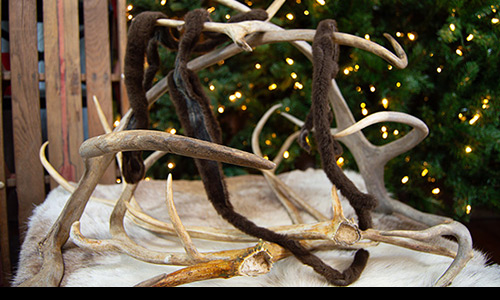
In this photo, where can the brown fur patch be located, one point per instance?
(325, 61)
(140, 34)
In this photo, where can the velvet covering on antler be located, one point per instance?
(325, 67)
(141, 35)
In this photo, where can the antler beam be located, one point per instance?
(137, 140)
(270, 33)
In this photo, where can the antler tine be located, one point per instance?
(455, 229)
(102, 117)
(400, 52)
(286, 145)
(378, 117)
(286, 195)
(399, 60)
(52, 171)
(234, 5)
(385, 116)
(258, 129)
(240, 7)
(273, 9)
(388, 151)
(236, 31)
(178, 226)
(107, 128)
(338, 212)
(269, 175)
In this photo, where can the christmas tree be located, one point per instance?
(451, 83)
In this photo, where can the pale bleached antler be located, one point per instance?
(454, 229)
(285, 194)
(270, 33)
(297, 38)
(339, 230)
(178, 226)
(236, 31)
(235, 5)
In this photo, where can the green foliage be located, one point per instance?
(451, 83)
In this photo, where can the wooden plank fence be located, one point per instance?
(63, 82)
(59, 57)
(98, 67)
(26, 120)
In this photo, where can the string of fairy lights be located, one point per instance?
(385, 131)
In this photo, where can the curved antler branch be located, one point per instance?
(285, 194)
(137, 140)
(257, 261)
(392, 149)
(455, 229)
(399, 59)
(240, 7)
(234, 5)
(178, 226)
(274, 8)
(236, 31)
(271, 33)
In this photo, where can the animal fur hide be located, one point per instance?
(388, 265)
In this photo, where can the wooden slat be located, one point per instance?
(122, 46)
(98, 68)
(26, 107)
(5, 268)
(63, 87)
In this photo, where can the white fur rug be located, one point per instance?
(388, 265)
